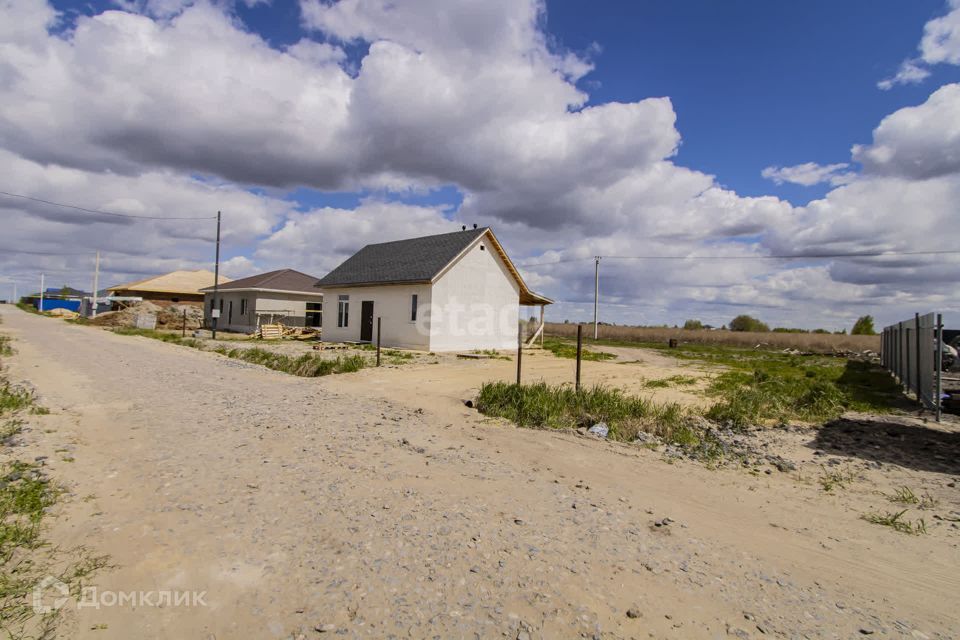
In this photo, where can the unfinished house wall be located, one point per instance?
(244, 316)
(391, 303)
(235, 321)
(476, 303)
(295, 303)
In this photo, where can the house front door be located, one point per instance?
(366, 321)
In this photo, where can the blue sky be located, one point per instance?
(755, 83)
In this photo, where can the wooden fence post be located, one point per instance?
(378, 341)
(183, 333)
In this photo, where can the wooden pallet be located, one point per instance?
(271, 331)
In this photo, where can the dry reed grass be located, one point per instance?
(813, 342)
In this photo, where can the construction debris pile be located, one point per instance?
(169, 317)
(279, 331)
(66, 314)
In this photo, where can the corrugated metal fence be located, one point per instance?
(911, 351)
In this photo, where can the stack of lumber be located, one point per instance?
(270, 331)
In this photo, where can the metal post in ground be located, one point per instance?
(905, 380)
(579, 352)
(41, 293)
(519, 353)
(378, 341)
(939, 364)
(919, 376)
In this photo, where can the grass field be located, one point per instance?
(567, 349)
(644, 336)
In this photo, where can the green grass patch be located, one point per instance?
(14, 398)
(905, 495)
(677, 380)
(836, 479)
(26, 557)
(23, 497)
(895, 521)
(29, 308)
(541, 405)
(307, 365)
(567, 349)
(493, 354)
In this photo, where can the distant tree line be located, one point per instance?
(862, 327)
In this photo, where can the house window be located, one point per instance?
(243, 306)
(221, 306)
(343, 311)
(413, 308)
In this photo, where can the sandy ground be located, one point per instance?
(449, 377)
(376, 505)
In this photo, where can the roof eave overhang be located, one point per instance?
(260, 290)
(389, 283)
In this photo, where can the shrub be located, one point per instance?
(747, 323)
(863, 327)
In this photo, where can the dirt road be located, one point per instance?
(312, 507)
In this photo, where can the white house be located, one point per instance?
(285, 296)
(449, 292)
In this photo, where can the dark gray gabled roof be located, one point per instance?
(413, 260)
(280, 280)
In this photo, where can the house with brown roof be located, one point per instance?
(176, 287)
(284, 296)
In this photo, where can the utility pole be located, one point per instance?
(41, 294)
(215, 312)
(96, 285)
(15, 300)
(596, 296)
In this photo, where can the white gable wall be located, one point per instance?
(475, 303)
(392, 303)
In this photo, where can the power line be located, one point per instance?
(809, 256)
(543, 264)
(52, 253)
(101, 212)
